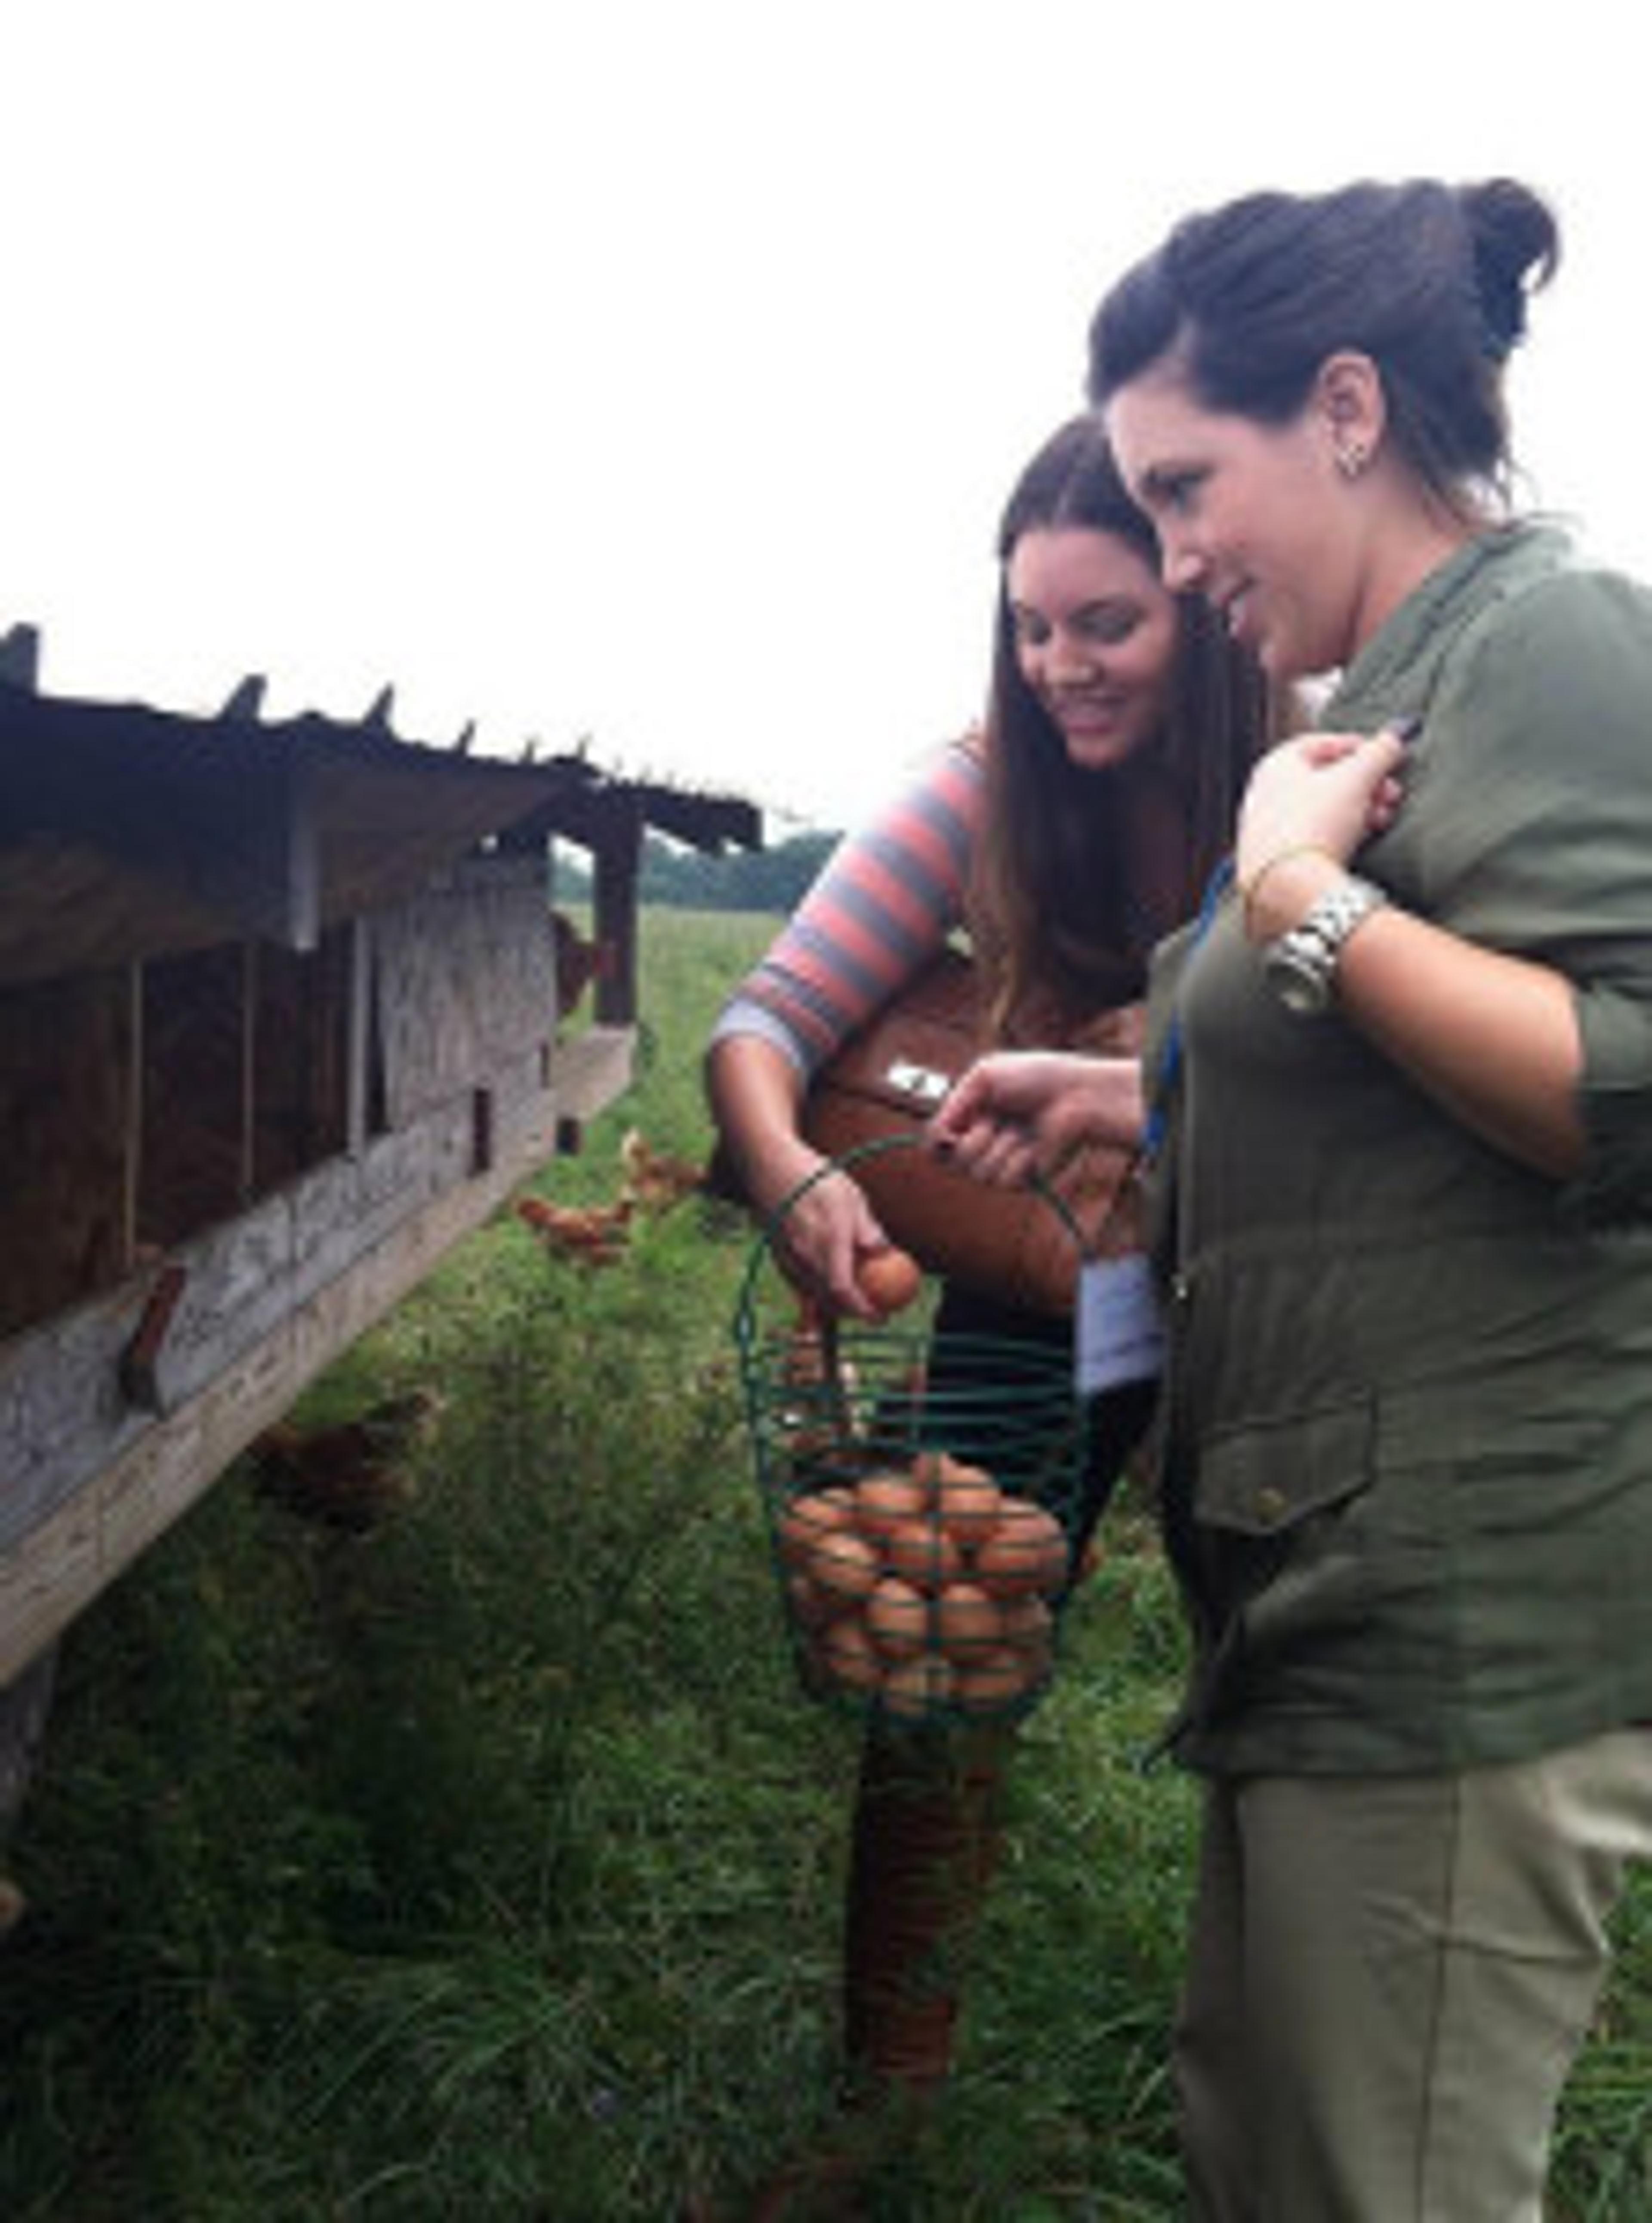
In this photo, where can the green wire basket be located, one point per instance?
(924, 1494)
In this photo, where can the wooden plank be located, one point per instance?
(590, 1070)
(618, 868)
(302, 861)
(361, 1013)
(61, 1412)
(465, 975)
(239, 1286)
(44, 1584)
(62, 1417)
(55, 1570)
(248, 1107)
(138, 1372)
(132, 1118)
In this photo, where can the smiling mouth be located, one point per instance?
(1089, 714)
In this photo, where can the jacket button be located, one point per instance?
(1271, 1505)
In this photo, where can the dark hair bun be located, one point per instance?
(1516, 245)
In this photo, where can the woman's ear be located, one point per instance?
(1349, 398)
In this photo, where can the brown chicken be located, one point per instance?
(589, 1234)
(653, 1179)
(578, 962)
(348, 1474)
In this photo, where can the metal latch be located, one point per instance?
(921, 1082)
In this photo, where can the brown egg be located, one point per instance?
(917, 1687)
(1028, 1624)
(968, 1502)
(844, 1562)
(847, 1652)
(897, 1616)
(922, 1552)
(888, 1279)
(933, 1467)
(810, 1605)
(808, 1519)
(995, 1678)
(967, 1621)
(886, 1501)
(1026, 1553)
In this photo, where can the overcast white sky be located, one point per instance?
(654, 372)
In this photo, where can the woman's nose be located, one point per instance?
(1183, 566)
(1069, 656)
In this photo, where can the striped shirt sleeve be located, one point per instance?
(884, 903)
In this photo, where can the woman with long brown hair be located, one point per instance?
(1068, 836)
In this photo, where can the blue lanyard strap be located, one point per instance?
(1170, 1062)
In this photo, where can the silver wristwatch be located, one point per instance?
(1301, 965)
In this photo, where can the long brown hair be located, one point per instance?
(1051, 915)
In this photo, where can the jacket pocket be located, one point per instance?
(1265, 1477)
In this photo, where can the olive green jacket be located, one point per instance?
(1408, 1451)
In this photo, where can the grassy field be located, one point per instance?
(488, 1864)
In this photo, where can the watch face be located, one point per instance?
(1301, 965)
(1303, 992)
(1300, 982)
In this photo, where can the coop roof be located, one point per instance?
(129, 832)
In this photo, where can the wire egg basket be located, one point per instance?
(925, 1489)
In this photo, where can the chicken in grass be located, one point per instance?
(347, 1474)
(589, 1234)
(654, 1180)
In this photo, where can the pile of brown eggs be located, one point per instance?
(925, 1591)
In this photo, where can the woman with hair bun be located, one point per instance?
(1400, 1089)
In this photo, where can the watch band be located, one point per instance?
(1301, 965)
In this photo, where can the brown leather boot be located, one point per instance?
(822, 2188)
(923, 1849)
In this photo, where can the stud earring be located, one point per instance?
(1351, 460)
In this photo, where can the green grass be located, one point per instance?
(489, 1864)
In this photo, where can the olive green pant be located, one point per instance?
(1389, 1978)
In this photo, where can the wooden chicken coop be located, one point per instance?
(278, 1024)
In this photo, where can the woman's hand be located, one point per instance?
(1020, 1112)
(821, 1242)
(828, 1227)
(1329, 792)
(1493, 1039)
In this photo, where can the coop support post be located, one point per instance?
(361, 1023)
(617, 862)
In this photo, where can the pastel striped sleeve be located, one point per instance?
(883, 903)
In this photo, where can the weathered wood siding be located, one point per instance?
(461, 975)
(270, 1298)
(64, 1082)
(463, 1011)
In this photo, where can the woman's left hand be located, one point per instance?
(1016, 1113)
(1329, 792)
(1494, 1038)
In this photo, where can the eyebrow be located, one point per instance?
(1120, 599)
